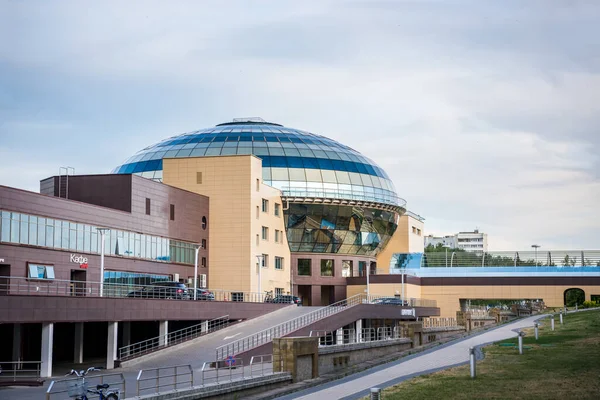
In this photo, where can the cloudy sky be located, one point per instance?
(484, 113)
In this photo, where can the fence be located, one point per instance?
(158, 380)
(555, 258)
(172, 338)
(60, 287)
(15, 371)
(341, 337)
(60, 389)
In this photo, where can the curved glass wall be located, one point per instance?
(297, 162)
(316, 228)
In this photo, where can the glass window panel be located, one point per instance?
(49, 272)
(5, 236)
(297, 174)
(327, 267)
(41, 232)
(33, 231)
(24, 230)
(313, 175)
(228, 151)
(342, 177)
(328, 176)
(244, 150)
(355, 178)
(304, 267)
(279, 174)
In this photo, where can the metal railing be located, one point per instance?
(231, 369)
(172, 338)
(263, 360)
(345, 337)
(59, 287)
(15, 371)
(555, 258)
(60, 389)
(429, 322)
(387, 198)
(265, 336)
(164, 378)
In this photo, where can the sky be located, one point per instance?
(485, 114)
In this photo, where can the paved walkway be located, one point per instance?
(358, 385)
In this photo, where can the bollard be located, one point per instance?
(561, 318)
(565, 309)
(521, 334)
(576, 306)
(536, 330)
(472, 359)
(552, 323)
(375, 393)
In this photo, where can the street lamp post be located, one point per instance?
(102, 235)
(536, 246)
(196, 272)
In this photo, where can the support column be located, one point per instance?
(111, 347)
(78, 351)
(47, 341)
(126, 337)
(16, 350)
(358, 328)
(163, 330)
(204, 327)
(339, 336)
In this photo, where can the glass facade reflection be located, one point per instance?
(297, 162)
(316, 228)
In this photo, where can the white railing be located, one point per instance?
(14, 371)
(172, 338)
(60, 389)
(345, 337)
(430, 322)
(157, 380)
(13, 285)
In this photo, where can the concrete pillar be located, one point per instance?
(16, 349)
(359, 326)
(163, 330)
(126, 329)
(78, 343)
(315, 295)
(111, 347)
(204, 327)
(47, 341)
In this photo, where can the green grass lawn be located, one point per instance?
(564, 364)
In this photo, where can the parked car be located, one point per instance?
(390, 301)
(202, 294)
(162, 290)
(289, 299)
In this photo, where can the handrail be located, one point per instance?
(216, 366)
(280, 330)
(18, 372)
(162, 379)
(55, 386)
(156, 343)
(262, 363)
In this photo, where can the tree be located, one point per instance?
(574, 296)
(566, 261)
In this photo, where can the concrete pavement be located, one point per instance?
(357, 385)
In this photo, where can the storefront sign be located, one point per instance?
(1, 260)
(81, 260)
(409, 312)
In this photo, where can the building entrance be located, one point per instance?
(4, 280)
(78, 278)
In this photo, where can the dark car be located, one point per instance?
(390, 301)
(287, 299)
(202, 294)
(162, 290)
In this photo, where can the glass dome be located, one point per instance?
(298, 163)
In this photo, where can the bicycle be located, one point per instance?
(79, 390)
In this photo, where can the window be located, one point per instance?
(346, 268)
(172, 212)
(327, 267)
(257, 212)
(278, 262)
(199, 178)
(414, 230)
(277, 209)
(278, 236)
(258, 185)
(203, 262)
(204, 223)
(203, 245)
(265, 205)
(265, 261)
(362, 268)
(257, 239)
(304, 267)
(265, 233)
(37, 271)
(418, 232)
(278, 291)
(147, 206)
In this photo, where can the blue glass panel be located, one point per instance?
(361, 168)
(220, 138)
(272, 139)
(338, 165)
(310, 163)
(350, 166)
(295, 162)
(278, 162)
(140, 167)
(233, 138)
(128, 169)
(325, 163)
(296, 140)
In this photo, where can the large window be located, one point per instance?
(265, 261)
(304, 267)
(265, 205)
(133, 278)
(277, 209)
(53, 233)
(38, 271)
(265, 233)
(327, 267)
(278, 262)
(362, 268)
(278, 236)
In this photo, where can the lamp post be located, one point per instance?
(446, 247)
(102, 235)
(536, 246)
(196, 272)
(368, 272)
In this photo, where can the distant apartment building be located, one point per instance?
(474, 241)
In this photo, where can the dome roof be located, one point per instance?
(298, 163)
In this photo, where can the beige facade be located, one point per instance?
(236, 236)
(448, 297)
(408, 238)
